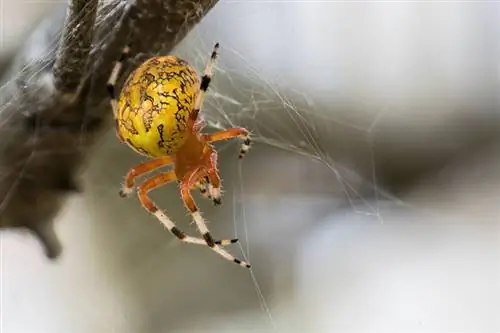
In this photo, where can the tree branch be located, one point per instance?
(75, 45)
(46, 137)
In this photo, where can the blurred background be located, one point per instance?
(369, 202)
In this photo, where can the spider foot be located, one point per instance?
(245, 147)
(200, 223)
(227, 256)
(215, 195)
(125, 192)
(242, 263)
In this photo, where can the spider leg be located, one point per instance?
(205, 82)
(202, 226)
(138, 170)
(113, 77)
(150, 206)
(198, 125)
(214, 180)
(237, 132)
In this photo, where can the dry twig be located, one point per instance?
(47, 136)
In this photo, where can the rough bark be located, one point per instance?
(54, 104)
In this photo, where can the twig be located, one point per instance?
(75, 45)
(45, 136)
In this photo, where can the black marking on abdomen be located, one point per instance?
(161, 143)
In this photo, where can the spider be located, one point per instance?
(157, 115)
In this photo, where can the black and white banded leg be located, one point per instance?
(113, 77)
(236, 132)
(202, 227)
(205, 81)
(150, 206)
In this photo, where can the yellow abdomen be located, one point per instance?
(155, 104)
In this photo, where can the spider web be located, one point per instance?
(284, 118)
(303, 125)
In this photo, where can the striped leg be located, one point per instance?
(150, 206)
(202, 227)
(237, 132)
(113, 77)
(205, 81)
(139, 170)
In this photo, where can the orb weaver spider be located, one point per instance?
(156, 115)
